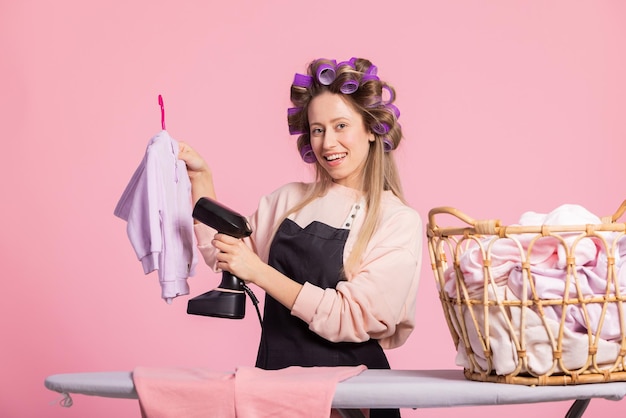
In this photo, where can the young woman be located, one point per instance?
(339, 258)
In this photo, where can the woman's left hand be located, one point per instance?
(237, 258)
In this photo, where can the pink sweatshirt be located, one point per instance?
(383, 288)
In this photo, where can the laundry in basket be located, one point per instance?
(540, 302)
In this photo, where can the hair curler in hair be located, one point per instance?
(307, 154)
(349, 87)
(326, 74)
(302, 80)
(381, 128)
(387, 144)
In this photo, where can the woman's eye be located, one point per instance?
(316, 131)
(341, 126)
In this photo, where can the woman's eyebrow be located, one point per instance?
(335, 120)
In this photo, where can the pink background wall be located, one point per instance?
(507, 106)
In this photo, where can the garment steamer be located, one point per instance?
(228, 300)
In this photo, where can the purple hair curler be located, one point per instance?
(369, 77)
(373, 70)
(349, 87)
(293, 110)
(307, 154)
(392, 97)
(393, 109)
(351, 63)
(387, 145)
(381, 128)
(326, 74)
(302, 80)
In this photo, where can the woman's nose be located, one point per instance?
(330, 139)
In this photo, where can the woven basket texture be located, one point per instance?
(533, 304)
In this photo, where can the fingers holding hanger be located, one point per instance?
(198, 171)
(193, 160)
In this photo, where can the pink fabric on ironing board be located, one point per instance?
(292, 392)
(176, 392)
(249, 393)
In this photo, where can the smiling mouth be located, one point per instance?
(334, 157)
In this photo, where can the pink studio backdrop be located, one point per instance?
(507, 106)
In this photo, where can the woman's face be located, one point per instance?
(339, 138)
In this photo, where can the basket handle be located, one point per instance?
(620, 211)
(488, 226)
(492, 224)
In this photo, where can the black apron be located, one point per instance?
(315, 255)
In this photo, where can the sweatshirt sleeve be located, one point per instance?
(204, 236)
(378, 300)
(139, 205)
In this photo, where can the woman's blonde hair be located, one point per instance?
(357, 82)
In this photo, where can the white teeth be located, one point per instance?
(335, 156)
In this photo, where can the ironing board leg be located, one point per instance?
(351, 413)
(578, 408)
(575, 411)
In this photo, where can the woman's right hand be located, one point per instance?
(198, 170)
(194, 161)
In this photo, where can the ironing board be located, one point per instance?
(382, 389)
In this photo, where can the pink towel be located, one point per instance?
(184, 392)
(248, 393)
(291, 392)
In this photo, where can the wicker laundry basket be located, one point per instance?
(533, 304)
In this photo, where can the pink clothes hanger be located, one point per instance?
(162, 112)
(174, 150)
